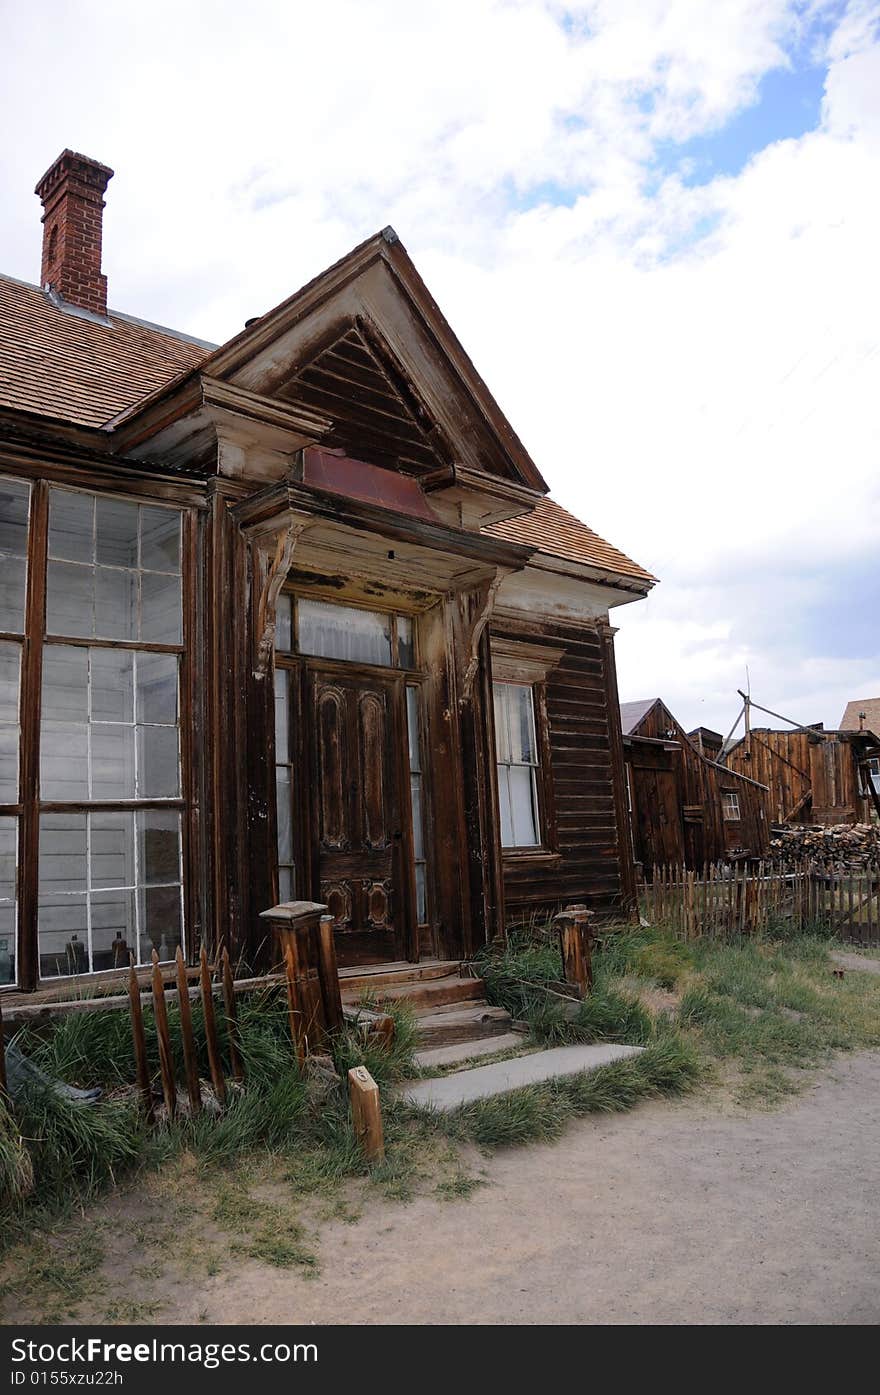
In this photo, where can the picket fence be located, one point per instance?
(725, 901)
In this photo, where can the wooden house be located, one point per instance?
(288, 617)
(685, 808)
(813, 775)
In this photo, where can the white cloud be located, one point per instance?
(693, 367)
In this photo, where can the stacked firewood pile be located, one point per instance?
(839, 846)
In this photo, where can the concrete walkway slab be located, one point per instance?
(856, 962)
(449, 1091)
(467, 1050)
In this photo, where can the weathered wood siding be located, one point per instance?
(812, 775)
(705, 834)
(584, 861)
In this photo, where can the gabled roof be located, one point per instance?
(871, 708)
(553, 530)
(76, 367)
(120, 375)
(633, 713)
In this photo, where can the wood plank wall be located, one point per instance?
(587, 862)
(812, 775)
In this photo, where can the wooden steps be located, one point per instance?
(450, 1007)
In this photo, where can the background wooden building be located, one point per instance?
(288, 617)
(685, 808)
(812, 775)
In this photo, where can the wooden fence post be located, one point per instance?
(4, 1089)
(214, 1059)
(139, 1040)
(190, 1058)
(231, 1017)
(329, 975)
(366, 1113)
(166, 1061)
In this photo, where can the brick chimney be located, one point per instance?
(72, 191)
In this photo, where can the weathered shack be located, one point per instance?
(291, 617)
(813, 775)
(685, 808)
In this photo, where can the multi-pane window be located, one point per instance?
(517, 756)
(110, 878)
(114, 569)
(730, 805)
(417, 798)
(284, 786)
(325, 630)
(14, 515)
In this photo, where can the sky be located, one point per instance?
(654, 225)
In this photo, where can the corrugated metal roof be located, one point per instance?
(76, 368)
(871, 708)
(557, 532)
(631, 713)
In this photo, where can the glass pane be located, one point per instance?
(522, 800)
(158, 846)
(284, 624)
(70, 600)
(111, 849)
(502, 725)
(504, 806)
(160, 539)
(114, 929)
(115, 604)
(160, 922)
(112, 761)
(522, 732)
(342, 632)
(10, 663)
(8, 859)
(14, 503)
(63, 934)
(111, 672)
(158, 763)
(64, 762)
(415, 785)
(406, 648)
(116, 542)
(71, 526)
(13, 580)
(282, 798)
(62, 853)
(157, 689)
(160, 608)
(282, 732)
(65, 683)
(421, 894)
(412, 726)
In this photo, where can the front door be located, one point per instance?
(360, 843)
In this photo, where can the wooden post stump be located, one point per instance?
(190, 1059)
(366, 1113)
(309, 956)
(166, 1060)
(211, 1040)
(576, 943)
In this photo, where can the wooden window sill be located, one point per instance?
(543, 856)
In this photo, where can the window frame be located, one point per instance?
(726, 806)
(537, 767)
(35, 639)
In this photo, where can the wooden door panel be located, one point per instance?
(333, 761)
(359, 805)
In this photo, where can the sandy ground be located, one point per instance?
(674, 1213)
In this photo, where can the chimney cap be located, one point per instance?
(72, 162)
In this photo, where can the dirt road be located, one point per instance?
(674, 1213)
